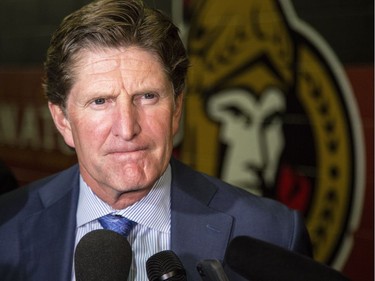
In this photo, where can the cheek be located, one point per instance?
(90, 129)
(160, 125)
(275, 142)
(175, 126)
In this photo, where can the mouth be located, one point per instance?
(126, 151)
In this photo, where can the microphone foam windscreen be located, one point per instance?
(102, 255)
(258, 260)
(165, 265)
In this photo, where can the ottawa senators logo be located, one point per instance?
(269, 109)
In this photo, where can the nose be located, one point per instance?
(126, 120)
(258, 151)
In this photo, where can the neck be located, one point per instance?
(119, 201)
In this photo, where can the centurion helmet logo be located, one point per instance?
(269, 109)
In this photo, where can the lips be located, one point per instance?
(126, 150)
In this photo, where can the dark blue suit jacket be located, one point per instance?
(37, 224)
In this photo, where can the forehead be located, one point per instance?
(115, 69)
(105, 60)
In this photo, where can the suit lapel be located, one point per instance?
(50, 232)
(198, 231)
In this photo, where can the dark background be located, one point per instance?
(26, 26)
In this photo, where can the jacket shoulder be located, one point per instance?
(262, 218)
(33, 196)
(259, 217)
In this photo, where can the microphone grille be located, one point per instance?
(165, 265)
(102, 255)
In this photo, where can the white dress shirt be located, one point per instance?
(152, 215)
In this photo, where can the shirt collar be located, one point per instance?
(152, 211)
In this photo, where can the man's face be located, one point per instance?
(121, 116)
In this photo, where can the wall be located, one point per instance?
(348, 27)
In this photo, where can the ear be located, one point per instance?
(179, 104)
(62, 123)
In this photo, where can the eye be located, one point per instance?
(146, 98)
(273, 119)
(99, 101)
(149, 96)
(237, 113)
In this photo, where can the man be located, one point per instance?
(115, 74)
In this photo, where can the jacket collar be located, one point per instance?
(53, 228)
(198, 231)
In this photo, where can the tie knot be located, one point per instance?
(117, 223)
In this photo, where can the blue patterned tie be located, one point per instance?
(117, 223)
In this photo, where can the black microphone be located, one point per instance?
(256, 260)
(211, 270)
(102, 255)
(165, 265)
